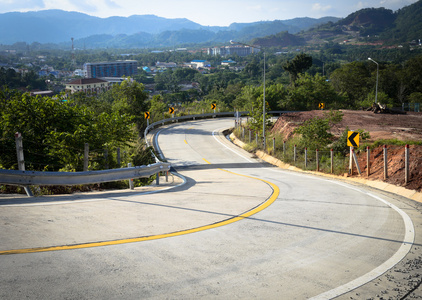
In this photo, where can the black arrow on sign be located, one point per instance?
(171, 110)
(352, 137)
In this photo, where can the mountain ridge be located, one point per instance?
(58, 27)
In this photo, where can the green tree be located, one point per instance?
(308, 92)
(130, 98)
(55, 132)
(298, 65)
(353, 81)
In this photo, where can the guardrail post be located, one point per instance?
(167, 176)
(86, 156)
(243, 133)
(131, 185)
(21, 160)
(385, 162)
(294, 154)
(406, 164)
(332, 160)
(157, 178)
(273, 145)
(368, 161)
(317, 160)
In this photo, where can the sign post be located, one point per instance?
(353, 141)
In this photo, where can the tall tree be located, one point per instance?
(298, 65)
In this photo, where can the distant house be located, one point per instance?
(88, 85)
(228, 62)
(197, 64)
(79, 72)
(163, 65)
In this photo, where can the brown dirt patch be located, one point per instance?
(380, 126)
(406, 127)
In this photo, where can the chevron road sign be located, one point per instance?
(353, 139)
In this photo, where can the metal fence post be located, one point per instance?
(317, 160)
(368, 161)
(294, 153)
(21, 160)
(306, 157)
(406, 164)
(273, 145)
(332, 160)
(86, 156)
(385, 162)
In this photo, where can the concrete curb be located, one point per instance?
(398, 190)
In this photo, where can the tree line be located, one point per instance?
(55, 128)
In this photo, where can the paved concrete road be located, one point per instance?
(318, 237)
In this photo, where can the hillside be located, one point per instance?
(370, 24)
(380, 126)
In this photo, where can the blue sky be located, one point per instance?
(208, 12)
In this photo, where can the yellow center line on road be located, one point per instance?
(262, 206)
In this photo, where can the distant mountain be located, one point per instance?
(375, 24)
(57, 26)
(407, 25)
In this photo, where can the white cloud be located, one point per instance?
(21, 5)
(320, 8)
(254, 8)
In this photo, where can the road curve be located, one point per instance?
(317, 238)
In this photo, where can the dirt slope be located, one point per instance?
(380, 126)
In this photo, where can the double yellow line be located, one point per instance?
(268, 202)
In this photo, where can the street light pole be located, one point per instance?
(263, 113)
(376, 86)
(263, 101)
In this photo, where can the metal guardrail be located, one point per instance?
(198, 116)
(189, 117)
(27, 178)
